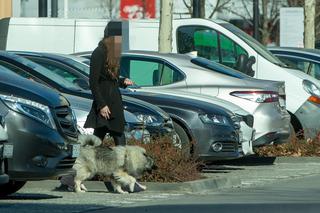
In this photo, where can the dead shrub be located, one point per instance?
(295, 148)
(172, 164)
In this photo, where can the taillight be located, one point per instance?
(257, 96)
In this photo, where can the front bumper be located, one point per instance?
(205, 135)
(308, 115)
(39, 151)
(271, 123)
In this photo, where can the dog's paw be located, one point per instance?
(143, 187)
(83, 187)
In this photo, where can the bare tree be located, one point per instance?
(269, 17)
(165, 30)
(218, 6)
(111, 8)
(309, 18)
(295, 3)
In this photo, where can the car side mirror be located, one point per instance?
(241, 63)
(251, 61)
(83, 84)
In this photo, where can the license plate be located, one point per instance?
(7, 151)
(75, 150)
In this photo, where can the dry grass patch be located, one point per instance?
(295, 148)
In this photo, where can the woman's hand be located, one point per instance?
(128, 82)
(105, 112)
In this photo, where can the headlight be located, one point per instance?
(311, 88)
(30, 108)
(149, 120)
(214, 119)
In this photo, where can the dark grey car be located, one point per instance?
(42, 128)
(214, 129)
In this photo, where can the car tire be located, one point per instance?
(184, 140)
(11, 187)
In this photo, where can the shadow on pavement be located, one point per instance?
(218, 169)
(49, 208)
(29, 196)
(252, 160)
(228, 208)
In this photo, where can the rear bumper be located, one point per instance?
(271, 123)
(308, 115)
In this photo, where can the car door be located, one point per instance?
(151, 72)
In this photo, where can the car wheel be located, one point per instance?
(11, 187)
(185, 144)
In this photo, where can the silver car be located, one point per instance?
(264, 99)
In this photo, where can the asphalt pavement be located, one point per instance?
(248, 180)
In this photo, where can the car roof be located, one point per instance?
(179, 59)
(314, 52)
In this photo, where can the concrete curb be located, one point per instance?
(197, 186)
(297, 160)
(257, 160)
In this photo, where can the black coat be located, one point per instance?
(105, 91)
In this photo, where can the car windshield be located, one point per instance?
(258, 47)
(211, 65)
(45, 72)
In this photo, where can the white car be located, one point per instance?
(223, 43)
(263, 99)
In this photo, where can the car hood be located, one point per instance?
(144, 105)
(302, 75)
(12, 84)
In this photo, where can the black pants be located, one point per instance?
(119, 138)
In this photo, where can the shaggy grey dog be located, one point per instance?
(123, 164)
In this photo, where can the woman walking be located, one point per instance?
(106, 114)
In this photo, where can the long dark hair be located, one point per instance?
(111, 65)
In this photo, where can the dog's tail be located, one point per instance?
(89, 140)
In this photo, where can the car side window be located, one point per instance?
(55, 68)
(148, 72)
(314, 70)
(295, 63)
(17, 70)
(200, 39)
(209, 44)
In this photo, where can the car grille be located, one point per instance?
(66, 163)
(66, 122)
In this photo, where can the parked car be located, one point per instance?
(305, 60)
(214, 129)
(156, 121)
(263, 99)
(6, 149)
(42, 128)
(76, 63)
(134, 127)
